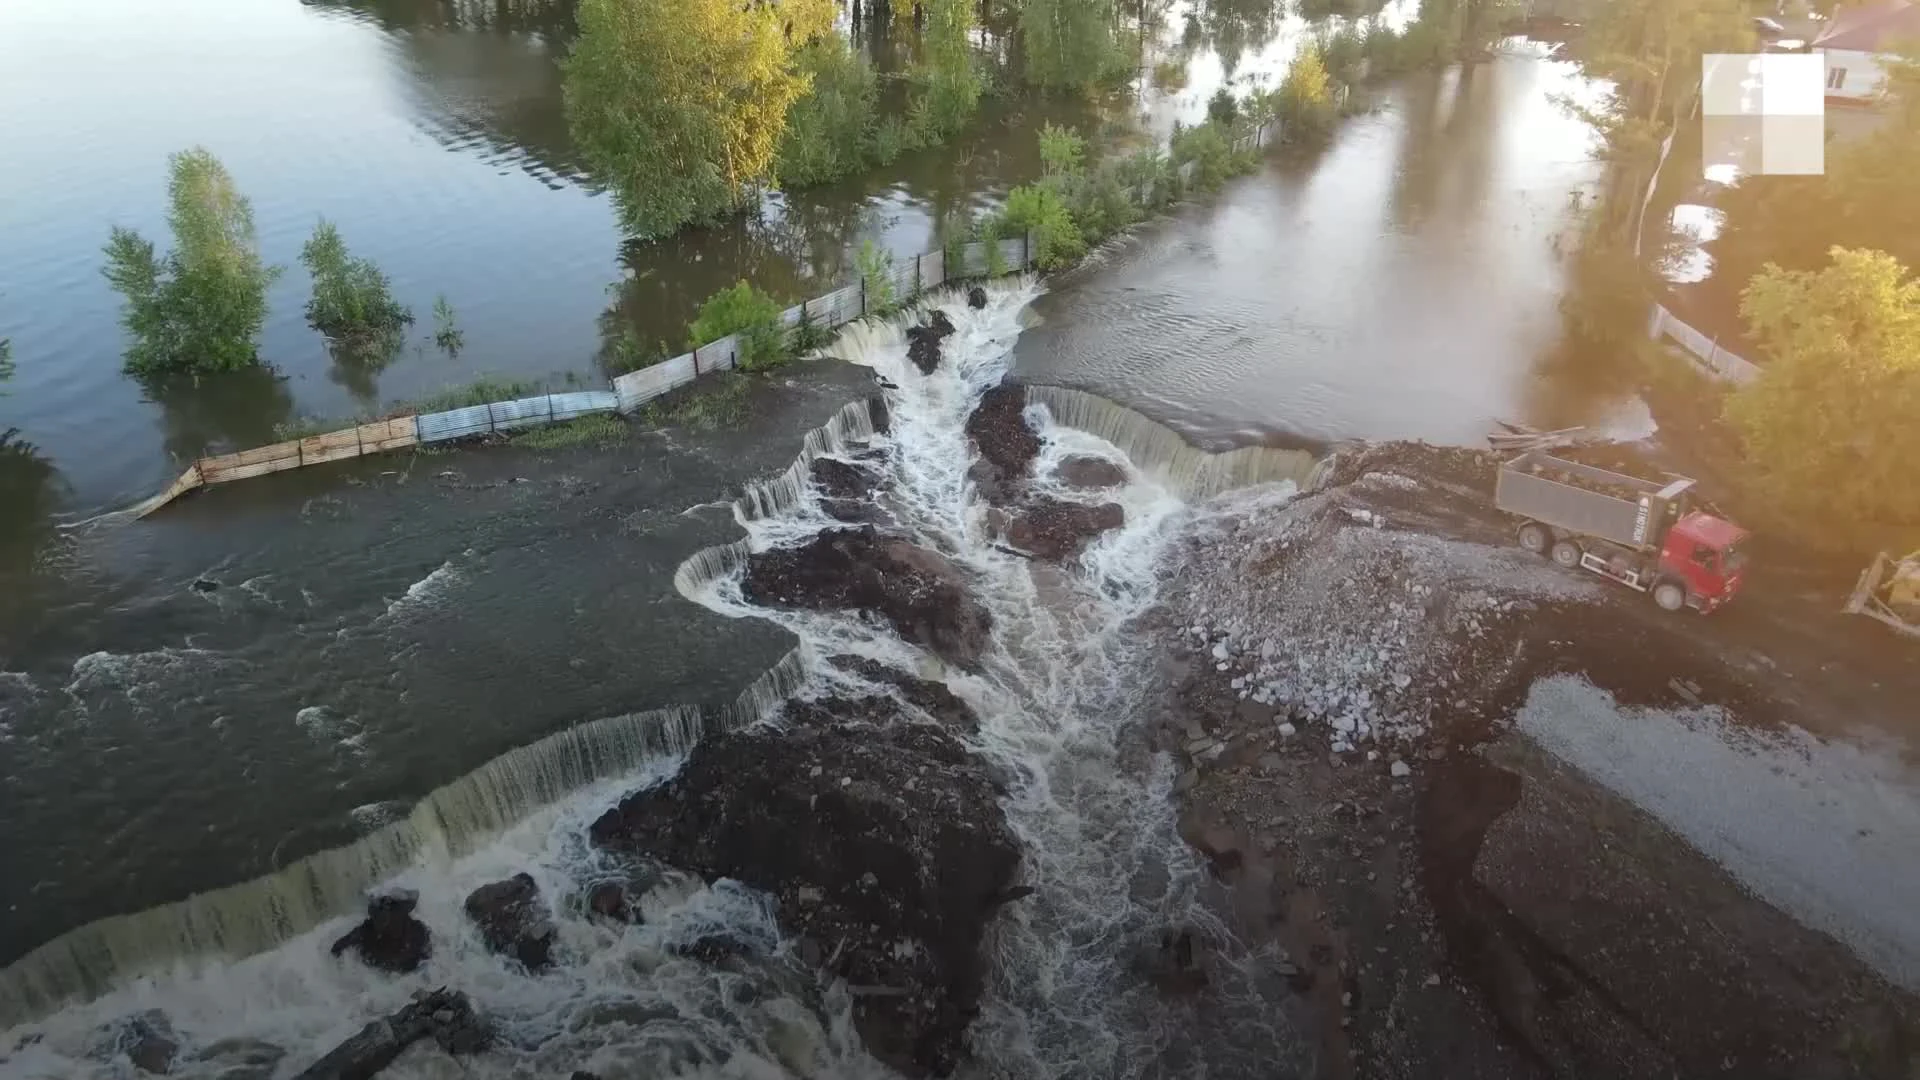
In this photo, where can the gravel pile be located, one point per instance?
(1350, 629)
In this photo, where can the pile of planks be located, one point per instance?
(1517, 438)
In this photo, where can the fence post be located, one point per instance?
(1026, 249)
(1713, 350)
(863, 294)
(696, 361)
(916, 273)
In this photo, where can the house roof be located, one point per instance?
(1872, 28)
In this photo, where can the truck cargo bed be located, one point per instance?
(1531, 486)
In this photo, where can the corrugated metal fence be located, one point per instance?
(1706, 351)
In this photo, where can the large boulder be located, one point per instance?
(976, 298)
(885, 846)
(389, 938)
(923, 341)
(1054, 529)
(1087, 471)
(919, 592)
(512, 920)
(1006, 445)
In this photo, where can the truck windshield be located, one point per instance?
(1732, 559)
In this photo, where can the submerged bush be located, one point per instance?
(352, 300)
(1039, 211)
(445, 333)
(1062, 151)
(200, 307)
(876, 277)
(749, 313)
(1209, 150)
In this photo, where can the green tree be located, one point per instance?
(1829, 425)
(678, 105)
(200, 307)
(352, 300)
(830, 130)
(1070, 44)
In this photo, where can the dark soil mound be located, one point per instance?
(919, 592)
(1006, 445)
(870, 838)
(1053, 529)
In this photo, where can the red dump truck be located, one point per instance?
(1644, 535)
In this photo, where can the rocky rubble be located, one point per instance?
(1032, 524)
(885, 847)
(918, 591)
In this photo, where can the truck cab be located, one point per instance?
(1703, 553)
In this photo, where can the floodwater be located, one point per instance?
(321, 648)
(1402, 282)
(434, 136)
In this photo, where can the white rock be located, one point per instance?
(1221, 667)
(1343, 724)
(1220, 651)
(1400, 769)
(1373, 755)
(1287, 729)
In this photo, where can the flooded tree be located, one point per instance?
(1071, 44)
(199, 308)
(946, 79)
(830, 130)
(678, 105)
(352, 302)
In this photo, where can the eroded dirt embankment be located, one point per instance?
(1454, 900)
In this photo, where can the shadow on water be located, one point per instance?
(211, 414)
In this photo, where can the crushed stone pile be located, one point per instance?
(1349, 628)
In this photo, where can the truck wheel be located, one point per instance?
(1534, 537)
(1567, 554)
(1670, 595)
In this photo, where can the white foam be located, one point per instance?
(1827, 830)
